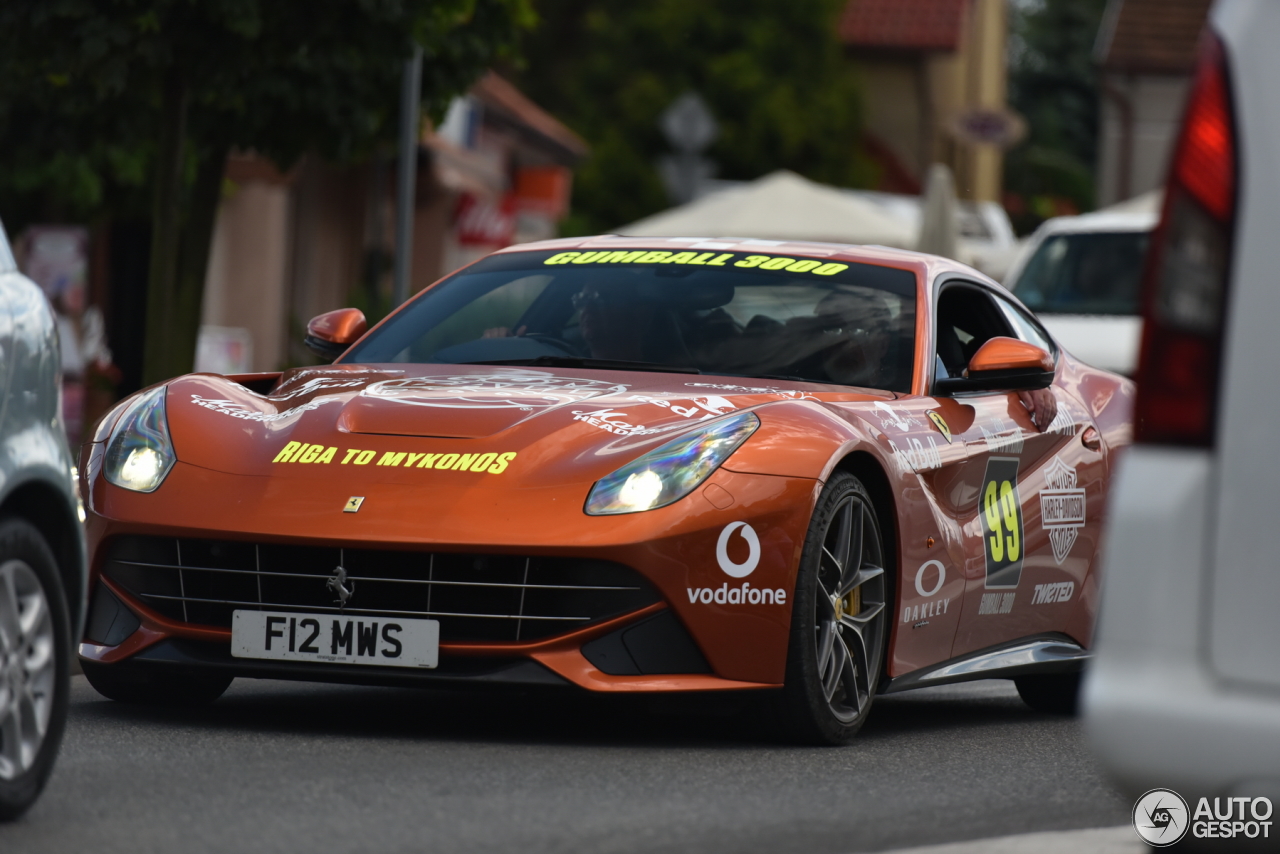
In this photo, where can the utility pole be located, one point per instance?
(407, 173)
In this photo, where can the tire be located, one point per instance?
(126, 682)
(35, 665)
(839, 621)
(1055, 694)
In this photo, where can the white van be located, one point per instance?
(1185, 690)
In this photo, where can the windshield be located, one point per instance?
(1096, 273)
(729, 313)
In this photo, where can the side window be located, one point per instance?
(7, 264)
(967, 318)
(1027, 329)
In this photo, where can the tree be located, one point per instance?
(773, 74)
(1053, 81)
(166, 88)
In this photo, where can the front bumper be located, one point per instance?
(674, 548)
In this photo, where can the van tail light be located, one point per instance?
(1185, 278)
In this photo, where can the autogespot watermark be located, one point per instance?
(1162, 817)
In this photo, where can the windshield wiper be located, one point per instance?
(585, 362)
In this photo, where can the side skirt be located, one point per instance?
(1036, 654)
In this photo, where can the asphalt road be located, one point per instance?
(288, 767)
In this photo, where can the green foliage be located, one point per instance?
(104, 103)
(772, 73)
(81, 82)
(1053, 81)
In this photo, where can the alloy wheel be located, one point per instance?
(28, 667)
(850, 608)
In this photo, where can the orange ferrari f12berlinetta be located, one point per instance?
(812, 471)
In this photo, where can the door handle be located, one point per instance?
(1091, 439)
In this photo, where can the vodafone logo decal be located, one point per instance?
(738, 570)
(744, 593)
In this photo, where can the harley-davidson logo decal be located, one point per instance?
(1061, 507)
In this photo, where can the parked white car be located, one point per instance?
(1080, 275)
(1185, 690)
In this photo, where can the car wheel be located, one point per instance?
(1055, 694)
(35, 658)
(126, 682)
(838, 621)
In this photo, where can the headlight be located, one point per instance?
(139, 453)
(671, 471)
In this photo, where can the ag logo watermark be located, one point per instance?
(1161, 818)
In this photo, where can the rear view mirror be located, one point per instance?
(1003, 364)
(330, 334)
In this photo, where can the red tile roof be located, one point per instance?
(903, 24)
(498, 94)
(1152, 35)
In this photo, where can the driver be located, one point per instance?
(860, 329)
(613, 321)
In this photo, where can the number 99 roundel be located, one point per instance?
(1002, 522)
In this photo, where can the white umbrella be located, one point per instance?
(779, 206)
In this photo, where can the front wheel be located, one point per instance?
(839, 624)
(35, 656)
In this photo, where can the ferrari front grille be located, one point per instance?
(475, 597)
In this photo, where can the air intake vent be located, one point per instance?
(475, 597)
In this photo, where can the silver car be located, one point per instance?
(42, 554)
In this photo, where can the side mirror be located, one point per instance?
(1003, 364)
(330, 334)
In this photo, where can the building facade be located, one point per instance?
(934, 75)
(288, 247)
(1146, 50)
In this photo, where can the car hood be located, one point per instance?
(535, 426)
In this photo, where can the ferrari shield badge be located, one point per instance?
(941, 424)
(353, 504)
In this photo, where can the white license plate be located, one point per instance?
(335, 639)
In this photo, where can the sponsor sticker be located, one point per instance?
(744, 593)
(1001, 518)
(1061, 507)
(748, 566)
(996, 603)
(929, 580)
(918, 455)
(1060, 591)
(700, 259)
(239, 410)
(505, 389)
(1001, 439)
(891, 419)
(491, 462)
